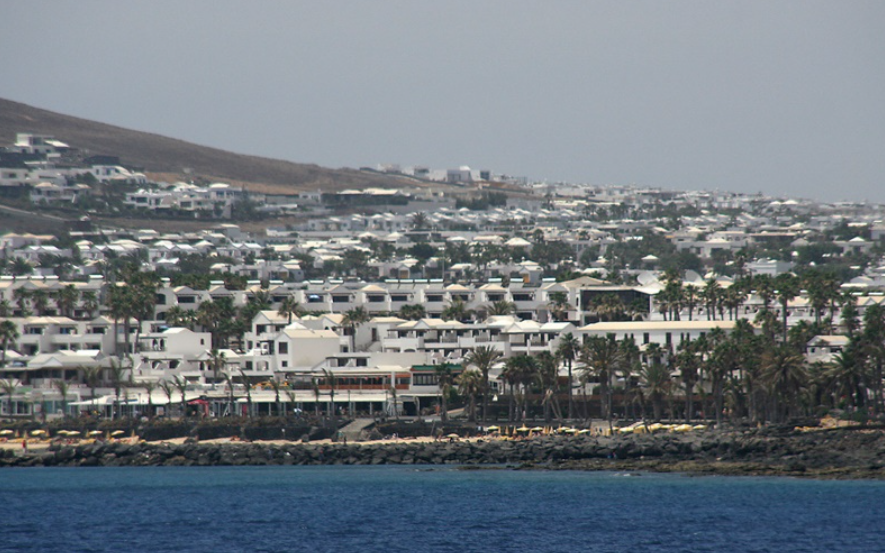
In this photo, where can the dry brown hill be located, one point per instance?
(162, 155)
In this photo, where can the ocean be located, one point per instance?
(396, 508)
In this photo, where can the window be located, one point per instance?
(340, 299)
(399, 297)
(435, 297)
(284, 364)
(425, 380)
(645, 338)
(283, 347)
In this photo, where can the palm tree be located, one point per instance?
(8, 335)
(353, 318)
(180, 384)
(470, 383)
(66, 299)
(444, 382)
(419, 220)
(784, 373)
(9, 386)
(22, 297)
(21, 267)
(548, 378)
(787, 286)
(149, 387)
(456, 311)
(276, 387)
(331, 381)
(600, 358)
(849, 373)
(290, 307)
(501, 307)
(688, 362)
(315, 386)
(118, 372)
(520, 371)
(568, 349)
(393, 396)
(558, 305)
(229, 382)
(691, 299)
(712, 295)
(483, 358)
(245, 380)
(168, 389)
(218, 361)
(90, 302)
(63, 389)
(630, 362)
(92, 376)
(40, 301)
(412, 312)
(655, 377)
(118, 300)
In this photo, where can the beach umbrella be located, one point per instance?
(584, 431)
(6, 432)
(682, 428)
(72, 433)
(452, 435)
(699, 427)
(493, 428)
(38, 432)
(118, 432)
(537, 429)
(523, 428)
(62, 432)
(95, 433)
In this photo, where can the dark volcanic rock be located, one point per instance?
(826, 454)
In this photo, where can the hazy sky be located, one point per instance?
(785, 97)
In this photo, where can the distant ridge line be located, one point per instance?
(161, 154)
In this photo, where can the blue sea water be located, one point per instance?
(392, 509)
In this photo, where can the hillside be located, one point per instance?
(168, 156)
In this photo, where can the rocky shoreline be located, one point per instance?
(837, 453)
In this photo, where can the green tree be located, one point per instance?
(568, 350)
(784, 374)
(600, 357)
(655, 378)
(787, 286)
(63, 389)
(558, 305)
(483, 358)
(444, 379)
(66, 299)
(470, 384)
(290, 307)
(8, 336)
(353, 318)
(412, 312)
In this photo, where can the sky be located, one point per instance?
(786, 98)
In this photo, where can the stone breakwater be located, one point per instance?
(825, 454)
